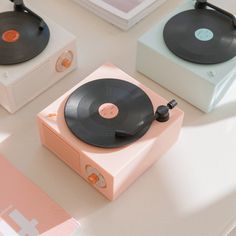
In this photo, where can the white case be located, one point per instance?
(21, 83)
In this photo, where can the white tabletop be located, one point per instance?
(191, 191)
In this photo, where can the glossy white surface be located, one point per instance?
(191, 191)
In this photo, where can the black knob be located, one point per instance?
(201, 4)
(162, 113)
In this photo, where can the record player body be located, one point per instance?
(109, 170)
(20, 83)
(203, 85)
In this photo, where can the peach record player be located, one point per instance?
(110, 128)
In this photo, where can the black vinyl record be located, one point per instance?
(20, 37)
(201, 36)
(85, 120)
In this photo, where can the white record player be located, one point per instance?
(22, 82)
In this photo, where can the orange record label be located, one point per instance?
(10, 36)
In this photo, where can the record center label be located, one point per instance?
(10, 36)
(204, 34)
(108, 111)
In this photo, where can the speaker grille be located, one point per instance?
(64, 151)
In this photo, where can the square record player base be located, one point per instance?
(21, 83)
(114, 169)
(201, 85)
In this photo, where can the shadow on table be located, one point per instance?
(172, 211)
(195, 117)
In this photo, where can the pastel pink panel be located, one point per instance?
(26, 210)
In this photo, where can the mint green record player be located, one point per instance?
(199, 63)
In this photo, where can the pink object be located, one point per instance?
(108, 111)
(26, 210)
(110, 171)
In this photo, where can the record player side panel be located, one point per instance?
(59, 147)
(31, 84)
(4, 97)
